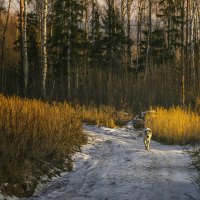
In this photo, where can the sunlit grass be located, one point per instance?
(175, 125)
(36, 139)
(104, 116)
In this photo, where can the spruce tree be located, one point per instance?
(113, 35)
(96, 48)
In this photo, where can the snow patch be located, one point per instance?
(115, 166)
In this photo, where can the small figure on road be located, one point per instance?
(147, 138)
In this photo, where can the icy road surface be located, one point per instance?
(115, 166)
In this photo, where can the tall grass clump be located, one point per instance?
(36, 139)
(104, 116)
(175, 125)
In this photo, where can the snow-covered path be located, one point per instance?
(115, 166)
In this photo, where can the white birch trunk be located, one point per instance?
(148, 42)
(44, 46)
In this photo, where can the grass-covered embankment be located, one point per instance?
(174, 125)
(36, 139)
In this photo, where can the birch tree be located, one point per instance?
(139, 24)
(128, 4)
(44, 46)
(182, 55)
(23, 45)
(123, 29)
(148, 39)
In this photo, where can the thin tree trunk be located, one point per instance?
(86, 40)
(25, 50)
(93, 18)
(129, 2)
(68, 53)
(110, 48)
(3, 46)
(44, 46)
(198, 48)
(187, 68)
(187, 29)
(147, 67)
(182, 57)
(86, 31)
(21, 75)
(169, 27)
(86, 18)
(123, 22)
(93, 27)
(193, 42)
(138, 31)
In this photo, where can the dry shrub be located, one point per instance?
(104, 116)
(175, 125)
(36, 139)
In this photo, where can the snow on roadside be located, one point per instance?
(115, 166)
(8, 198)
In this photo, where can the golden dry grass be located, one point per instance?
(38, 138)
(175, 125)
(104, 116)
(35, 138)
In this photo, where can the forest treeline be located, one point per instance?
(123, 53)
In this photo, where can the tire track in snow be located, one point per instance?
(115, 166)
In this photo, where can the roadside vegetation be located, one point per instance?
(104, 116)
(178, 126)
(38, 139)
(174, 125)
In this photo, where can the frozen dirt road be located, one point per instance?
(115, 166)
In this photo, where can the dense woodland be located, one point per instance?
(124, 53)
